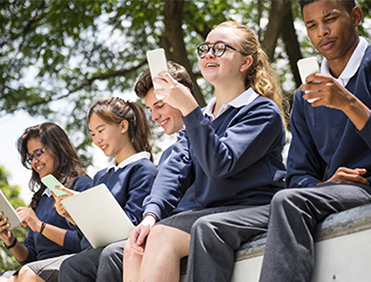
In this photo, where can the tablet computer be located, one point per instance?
(9, 212)
(99, 216)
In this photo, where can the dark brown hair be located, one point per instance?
(67, 165)
(114, 110)
(145, 83)
(349, 4)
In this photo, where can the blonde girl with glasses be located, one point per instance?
(45, 149)
(229, 152)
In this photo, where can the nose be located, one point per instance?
(323, 29)
(155, 115)
(210, 53)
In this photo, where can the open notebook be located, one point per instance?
(99, 216)
(9, 212)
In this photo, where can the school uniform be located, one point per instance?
(39, 247)
(324, 139)
(129, 182)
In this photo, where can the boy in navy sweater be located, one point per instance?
(331, 145)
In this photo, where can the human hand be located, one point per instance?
(139, 234)
(175, 93)
(29, 218)
(58, 204)
(348, 175)
(330, 92)
(5, 235)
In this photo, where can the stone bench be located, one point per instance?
(342, 250)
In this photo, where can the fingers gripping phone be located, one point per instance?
(50, 181)
(306, 67)
(157, 63)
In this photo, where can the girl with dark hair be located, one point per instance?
(119, 129)
(45, 149)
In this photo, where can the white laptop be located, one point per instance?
(99, 216)
(9, 212)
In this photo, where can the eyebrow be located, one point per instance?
(99, 126)
(324, 16)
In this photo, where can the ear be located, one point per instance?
(247, 62)
(124, 126)
(356, 15)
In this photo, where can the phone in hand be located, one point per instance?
(157, 63)
(306, 67)
(50, 181)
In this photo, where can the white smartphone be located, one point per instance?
(306, 67)
(157, 63)
(50, 181)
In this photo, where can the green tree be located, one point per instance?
(57, 57)
(7, 261)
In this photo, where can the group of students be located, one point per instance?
(223, 180)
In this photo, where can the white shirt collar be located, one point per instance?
(47, 193)
(352, 66)
(131, 159)
(241, 100)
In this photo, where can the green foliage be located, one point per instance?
(7, 261)
(58, 56)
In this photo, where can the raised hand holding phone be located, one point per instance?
(157, 63)
(50, 181)
(306, 67)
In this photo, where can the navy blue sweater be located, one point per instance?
(233, 160)
(325, 139)
(40, 247)
(129, 185)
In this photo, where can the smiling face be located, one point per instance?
(332, 29)
(110, 138)
(162, 113)
(227, 68)
(44, 164)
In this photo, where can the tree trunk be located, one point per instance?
(277, 13)
(172, 41)
(290, 39)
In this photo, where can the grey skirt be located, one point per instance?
(184, 220)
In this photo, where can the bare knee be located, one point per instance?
(168, 239)
(27, 274)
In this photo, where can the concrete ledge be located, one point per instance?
(339, 224)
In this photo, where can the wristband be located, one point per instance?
(11, 245)
(42, 227)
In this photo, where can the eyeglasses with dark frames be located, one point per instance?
(36, 155)
(218, 49)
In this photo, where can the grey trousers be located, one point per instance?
(100, 265)
(289, 251)
(215, 237)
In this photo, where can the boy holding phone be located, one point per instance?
(331, 144)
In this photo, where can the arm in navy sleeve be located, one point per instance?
(305, 167)
(173, 178)
(141, 181)
(30, 245)
(253, 133)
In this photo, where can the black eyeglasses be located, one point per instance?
(218, 49)
(36, 155)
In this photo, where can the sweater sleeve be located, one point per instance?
(250, 135)
(140, 185)
(72, 238)
(173, 179)
(304, 164)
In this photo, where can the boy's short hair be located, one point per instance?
(144, 83)
(349, 4)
